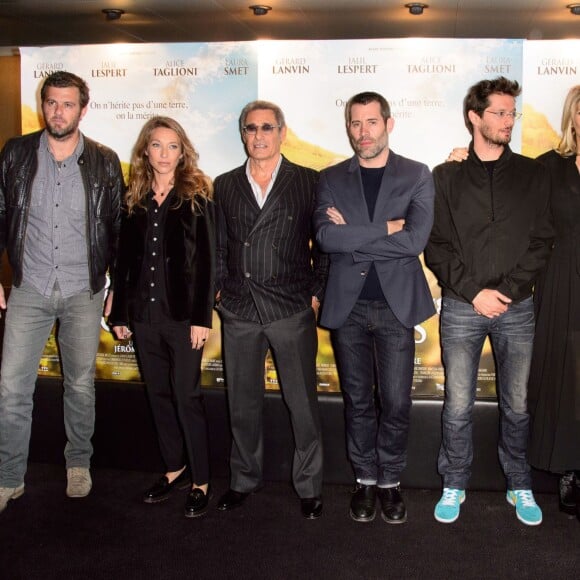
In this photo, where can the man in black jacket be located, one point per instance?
(60, 195)
(491, 236)
(270, 282)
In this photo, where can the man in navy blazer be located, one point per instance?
(270, 280)
(373, 217)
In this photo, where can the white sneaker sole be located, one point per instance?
(78, 494)
(525, 522)
(18, 493)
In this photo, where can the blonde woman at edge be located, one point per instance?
(554, 386)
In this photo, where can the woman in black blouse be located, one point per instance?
(163, 291)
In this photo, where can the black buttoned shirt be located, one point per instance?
(152, 304)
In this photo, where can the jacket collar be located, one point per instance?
(356, 199)
(503, 158)
(280, 184)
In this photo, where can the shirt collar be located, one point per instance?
(75, 154)
(261, 198)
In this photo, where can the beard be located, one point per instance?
(62, 132)
(378, 146)
(498, 138)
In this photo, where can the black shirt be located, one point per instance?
(371, 180)
(151, 303)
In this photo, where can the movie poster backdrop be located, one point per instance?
(205, 85)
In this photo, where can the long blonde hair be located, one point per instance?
(190, 182)
(568, 143)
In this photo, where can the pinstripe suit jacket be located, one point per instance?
(267, 268)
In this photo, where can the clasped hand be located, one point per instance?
(490, 303)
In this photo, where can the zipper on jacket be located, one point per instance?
(491, 196)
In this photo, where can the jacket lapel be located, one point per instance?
(283, 181)
(244, 190)
(353, 204)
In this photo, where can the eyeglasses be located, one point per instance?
(253, 129)
(506, 114)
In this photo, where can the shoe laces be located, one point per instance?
(450, 496)
(526, 497)
(78, 474)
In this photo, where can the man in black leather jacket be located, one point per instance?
(60, 196)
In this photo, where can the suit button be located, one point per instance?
(247, 244)
(247, 274)
(363, 273)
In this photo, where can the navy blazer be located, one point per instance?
(407, 192)
(267, 267)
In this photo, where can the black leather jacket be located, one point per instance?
(104, 186)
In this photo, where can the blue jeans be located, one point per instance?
(29, 320)
(463, 333)
(373, 348)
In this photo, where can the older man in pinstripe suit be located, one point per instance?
(269, 281)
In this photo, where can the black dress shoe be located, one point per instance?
(197, 502)
(393, 510)
(231, 499)
(311, 507)
(162, 489)
(363, 503)
(566, 493)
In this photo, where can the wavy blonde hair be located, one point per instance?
(568, 143)
(190, 182)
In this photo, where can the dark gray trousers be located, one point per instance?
(293, 342)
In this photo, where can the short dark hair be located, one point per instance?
(364, 99)
(477, 98)
(62, 80)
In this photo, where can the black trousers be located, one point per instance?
(171, 371)
(293, 342)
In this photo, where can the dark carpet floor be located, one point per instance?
(112, 535)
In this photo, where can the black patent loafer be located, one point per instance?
(197, 502)
(161, 490)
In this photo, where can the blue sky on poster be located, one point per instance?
(425, 81)
(209, 101)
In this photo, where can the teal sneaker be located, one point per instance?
(447, 508)
(527, 510)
